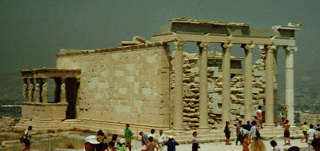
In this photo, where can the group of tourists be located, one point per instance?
(149, 142)
(246, 134)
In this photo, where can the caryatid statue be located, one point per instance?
(31, 92)
(37, 95)
(44, 93)
(25, 92)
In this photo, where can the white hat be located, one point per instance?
(122, 141)
(171, 137)
(92, 139)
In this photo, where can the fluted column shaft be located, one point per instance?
(203, 98)
(226, 104)
(178, 85)
(269, 104)
(290, 83)
(248, 82)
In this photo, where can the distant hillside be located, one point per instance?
(11, 86)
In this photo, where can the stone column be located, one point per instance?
(248, 82)
(203, 88)
(269, 95)
(25, 89)
(37, 93)
(44, 93)
(178, 85)
(290, 83)
(226, 104)
(63, 98)
(31, 90)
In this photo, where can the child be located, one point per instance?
(274, 145)
(121, 146)
(245, 143)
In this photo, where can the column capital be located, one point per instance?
(204, 44)
(249, 47)
(227, 45)
(290, 48)
(179, 43)
(272, 47)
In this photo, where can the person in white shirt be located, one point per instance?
(274, 145)
(161, 140)
(27, 135)
(311, 135)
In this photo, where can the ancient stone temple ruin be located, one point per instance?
(141, 83)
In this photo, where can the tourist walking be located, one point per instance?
(259, 116)
(286, 127)
(283, 113)
(238, 132)
(257, 144)
(150, 145)
(248, 126)
(27, 137)
(144, 139)
(91, 143)
(152, 134)
(121, 146)
(274, 145)
(311, 134)
(161, 140)
(128, 136)
(304, 129)
(195, 142)
(171, 144)
(245, 143)
(227, 133)
(101, 137)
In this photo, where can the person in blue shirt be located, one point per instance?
(248, 126)
(171, 143)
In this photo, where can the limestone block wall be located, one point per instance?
(191, 91)
(123, 85)
(309, 118)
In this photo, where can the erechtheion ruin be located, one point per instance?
(141, 83)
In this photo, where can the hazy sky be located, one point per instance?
(33, 31)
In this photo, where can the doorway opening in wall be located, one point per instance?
(72, 87)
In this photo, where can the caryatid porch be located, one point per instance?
(227, 34)
(36, 103)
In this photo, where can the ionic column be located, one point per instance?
(269, 95)
(178, 85)
(226, 104)
(203, 88)
(31, 90)
(290, 83)
(44, 93)
(37, 93)
(248, 82)
(63, 98)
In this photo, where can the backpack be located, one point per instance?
(258, 134)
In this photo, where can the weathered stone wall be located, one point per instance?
(309, 118)
(191, 91)
(122, 85)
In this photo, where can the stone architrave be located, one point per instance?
(203, 98)
(290, 83)
(226, 103)
(25, 92)
(31, 91)
(37, 93)
(178, 85)
(44, 93)
(63, 98)
(269, 89)
(248, 82)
